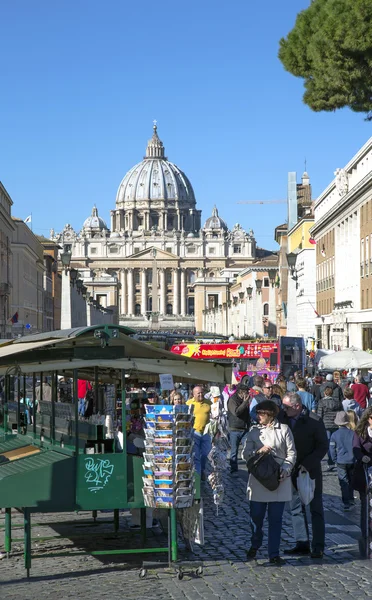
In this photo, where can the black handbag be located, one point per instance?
(265, 469)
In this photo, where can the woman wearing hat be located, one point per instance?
(269, 436)
(341, 451)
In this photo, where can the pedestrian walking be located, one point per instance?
(361, 392)
(269, 436)
(349, 402)
(311, 445)
(315, 388)
(257, 395)
(327, 409)
(341, 451)
(239, 419)
(202, 441)
(362, 448)
(353, 419)
(268, 392)
(336, 390)
(307, 399)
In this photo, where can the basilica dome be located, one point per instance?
(94, 222)
(215, 221)
(155, 179)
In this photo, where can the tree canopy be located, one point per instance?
(330, 47)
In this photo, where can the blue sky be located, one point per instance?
(81, 83)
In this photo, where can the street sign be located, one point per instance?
(28, 326)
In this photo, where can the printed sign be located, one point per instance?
(166, 382)
(234, 351)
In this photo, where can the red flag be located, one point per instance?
(312, 241)
(14, 318)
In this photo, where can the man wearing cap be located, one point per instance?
(239, 420)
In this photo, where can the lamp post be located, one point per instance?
(66, 259)
(249, 291)
(291, 260)
(272, 274)
(258, 283)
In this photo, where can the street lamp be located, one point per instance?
(291, 260)
(79, 285)
(258, 285)
(272, 275)
(249, 291)
(66, 259)
(73, 275)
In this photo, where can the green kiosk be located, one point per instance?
(52, 460)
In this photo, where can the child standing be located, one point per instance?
(341, 451)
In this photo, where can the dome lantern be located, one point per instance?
(155, 147)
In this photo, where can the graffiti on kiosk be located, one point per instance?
(97, 473)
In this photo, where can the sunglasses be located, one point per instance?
(268, 387)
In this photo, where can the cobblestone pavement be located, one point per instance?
(341, 574)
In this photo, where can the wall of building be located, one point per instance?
(27, 280)
(6, 234)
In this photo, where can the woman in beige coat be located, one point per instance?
(269, 436)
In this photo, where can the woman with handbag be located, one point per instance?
(362, 449)
(270, 454)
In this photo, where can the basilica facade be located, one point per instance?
(158, 265)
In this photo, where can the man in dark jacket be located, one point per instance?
(239, 420)
(337, 391)
(311, 444)
(327, 409)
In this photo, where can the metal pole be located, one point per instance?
(75, 388)
(116, 520)
(27, 539)
(96, 383)
(6, 405)
(53, 415)
(8, 531)
(19, 403)
(34, 410)
(143, 526)
(173, 518)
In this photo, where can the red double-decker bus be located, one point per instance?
(285, 355)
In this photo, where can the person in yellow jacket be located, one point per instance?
(202, 441)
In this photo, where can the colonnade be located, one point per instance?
(135, 289)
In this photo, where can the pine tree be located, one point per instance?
(330, 47)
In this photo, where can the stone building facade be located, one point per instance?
(158, 266)
(343, 234)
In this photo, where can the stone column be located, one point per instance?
(124, 292)
(183, 292)
(175, 292)
(112, 215)
(144, 291)
(163, 292)
(130, 292)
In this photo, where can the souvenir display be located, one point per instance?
(217, 455)
(168, 480)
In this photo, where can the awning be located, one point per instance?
(183, 371)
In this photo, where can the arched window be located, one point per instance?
(266, 309)
(169, 309)
(211, 274)
(137, 310)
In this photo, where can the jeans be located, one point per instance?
(299, 524)
(202, 447)
(81, 408)
(275, 515)
(236, 437)
(329, 433)
(344, 474)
